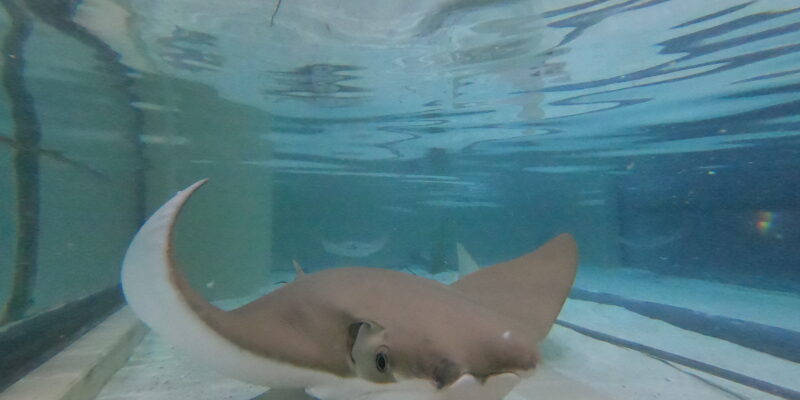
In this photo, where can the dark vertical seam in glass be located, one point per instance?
(27, 134)
(274, 13)
(622, 225)
(58, 14)
(140, 172)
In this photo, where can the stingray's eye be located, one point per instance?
(381, 361)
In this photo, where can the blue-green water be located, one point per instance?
(664, 134)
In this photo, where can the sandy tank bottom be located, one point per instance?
(574, 366)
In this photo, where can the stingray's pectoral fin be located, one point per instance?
(531, 288)
(160, 295)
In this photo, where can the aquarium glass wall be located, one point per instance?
(663, 134)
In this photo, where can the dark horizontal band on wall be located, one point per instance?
(779, 342)
(27, 343)
(732, 376)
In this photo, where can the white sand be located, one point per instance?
(156, 372)
(757, 305)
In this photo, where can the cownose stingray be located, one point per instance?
(354, 249)
(359, 333)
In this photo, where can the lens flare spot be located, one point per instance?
(765, 221)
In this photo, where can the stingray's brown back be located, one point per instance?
(531, 288)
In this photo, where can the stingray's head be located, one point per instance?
(370, 353)
(401, 364)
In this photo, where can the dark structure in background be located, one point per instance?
(27, 340)
(700, 216)
(27, 137)
(25, 345)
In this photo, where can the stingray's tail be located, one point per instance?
(160, 295)
(155, 289)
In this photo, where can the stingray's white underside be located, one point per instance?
(153, 297)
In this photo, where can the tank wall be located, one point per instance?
(94, 147)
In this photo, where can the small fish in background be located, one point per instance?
(360, 333)
(355, 249)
